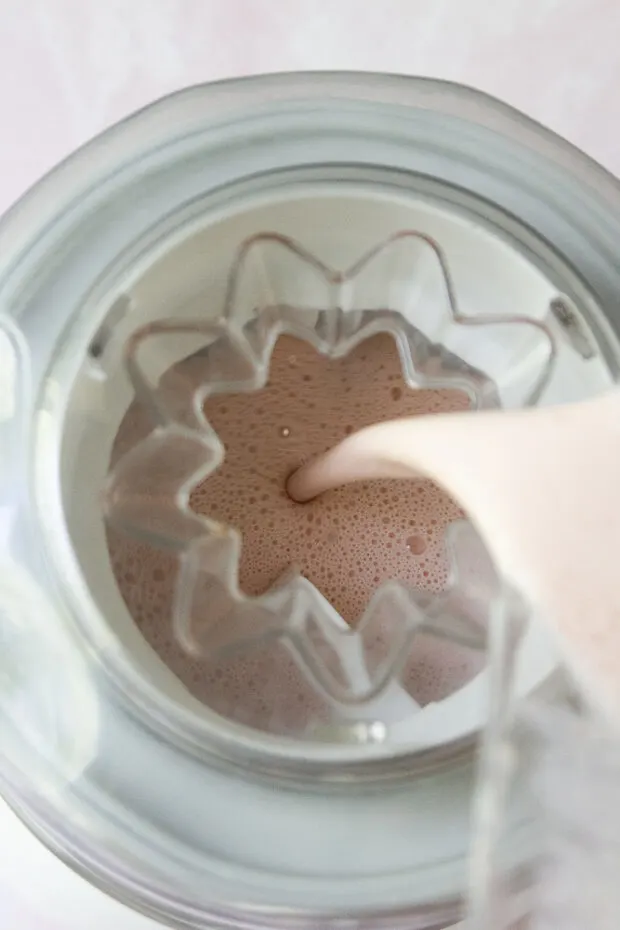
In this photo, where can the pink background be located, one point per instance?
(69, 68)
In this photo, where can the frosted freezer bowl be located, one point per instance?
(163, 274)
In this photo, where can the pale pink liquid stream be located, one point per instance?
(346, 542)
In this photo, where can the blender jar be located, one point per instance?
(332, 208)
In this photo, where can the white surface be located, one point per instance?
(72, 67)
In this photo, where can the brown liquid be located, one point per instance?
(347, 542)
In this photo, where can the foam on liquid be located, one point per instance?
(347, 542)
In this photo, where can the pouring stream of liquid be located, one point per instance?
(542, 487)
